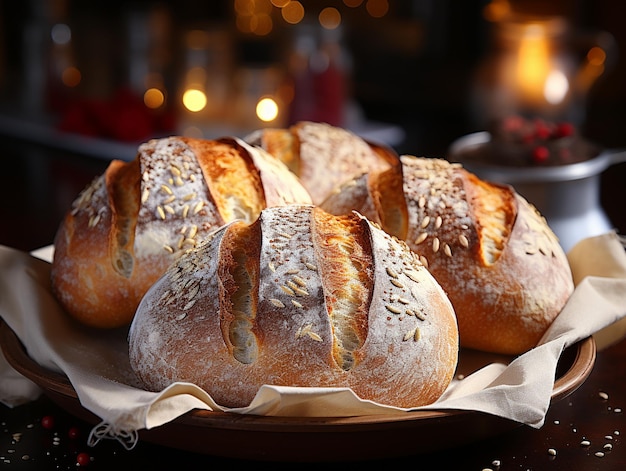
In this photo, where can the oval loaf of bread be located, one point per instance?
(323, 156)
(491, 251)
(298, 298)
(138, 217)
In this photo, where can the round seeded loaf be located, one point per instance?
(491, 251)
(138, 217)
(323, 156)
(298, 298)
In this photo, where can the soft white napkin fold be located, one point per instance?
(608, 262)
(97, 365)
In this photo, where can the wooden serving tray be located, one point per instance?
(309, 439)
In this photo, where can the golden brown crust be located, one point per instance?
(131, 223)
(224, 164)
(318, 301)
(492, 252)
(323, 156)
(122, 183)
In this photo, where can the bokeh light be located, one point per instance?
(153, 98)
(377, 8)
(293, 12)
(556, 87)
(71, 77)
(497, 10)
(245, 7)
(61, 34)
(194, 100)
(267, 109)
(596, 56)
(261, 24)
(330, 18)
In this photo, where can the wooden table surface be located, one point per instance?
(38, 184)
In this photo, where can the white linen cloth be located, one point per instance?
(96, 362)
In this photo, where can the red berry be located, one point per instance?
(73, 433)
(83, 459)
(564, 130)
(47, 422)
(542, 131)
(540, 154)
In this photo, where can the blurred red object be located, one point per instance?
(124, 117)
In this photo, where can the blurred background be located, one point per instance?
(421, 72)
(93, 79)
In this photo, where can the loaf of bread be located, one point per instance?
(491, 251)
(138, 217)
(323, 156)
(298, 298)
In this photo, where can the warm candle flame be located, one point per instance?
(556, 87)
(533, 66)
